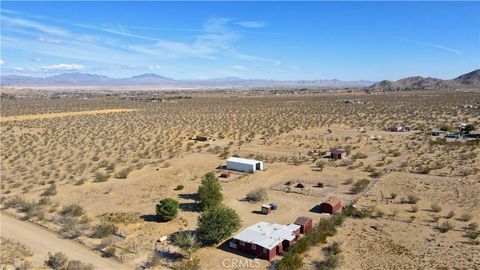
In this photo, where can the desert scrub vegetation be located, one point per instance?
(359, 186)
(257, 195)
(86, 145)
(12, 252)
(60, 261)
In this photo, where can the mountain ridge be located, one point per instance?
(470, 79)
(429, 83)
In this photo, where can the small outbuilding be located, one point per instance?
(453, 136)
(331, 206)
(305, 224)
(338, 153)
(225, 175)
(399, 129)
(300, 185)
(244, 165)
(266, 209)
(473, 134)
(201, 138)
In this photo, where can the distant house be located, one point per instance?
(201, 138)
(398, 129)
(473, 134)
(244, 165)
(265, 240)
(305, 223)
(453, 136)
(437, 132)
(338, 153)
(331, 206)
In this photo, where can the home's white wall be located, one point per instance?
(240, 167)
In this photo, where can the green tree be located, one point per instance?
(167, 209)
(218, 223)
(210, 191)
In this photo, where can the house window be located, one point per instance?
(254, 247)
(242, 243)
(265, 250)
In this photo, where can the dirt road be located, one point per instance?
(42, 241)
(57, 115)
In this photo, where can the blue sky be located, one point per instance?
(265, 40)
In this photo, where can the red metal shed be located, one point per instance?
(331, 206)
(305, 223)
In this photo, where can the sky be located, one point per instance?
(251, 40)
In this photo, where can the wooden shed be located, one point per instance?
(305, 223)
(266, 209)
(331, 206)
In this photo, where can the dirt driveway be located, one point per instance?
(42, 241)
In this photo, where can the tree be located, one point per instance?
(210, 191)
(218, 223)
(167, 209)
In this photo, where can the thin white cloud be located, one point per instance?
(217, 39)
(239, 67)
(24, 23)
(252, 24)
(52, 68)
(438, 46)
(2, 62)
(50, 40)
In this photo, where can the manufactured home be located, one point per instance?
(265, 240)
(244, 165)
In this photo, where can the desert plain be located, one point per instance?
(73, 161)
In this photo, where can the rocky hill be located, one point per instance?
(471, 79)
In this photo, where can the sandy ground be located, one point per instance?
(58, 115)
(278, 130)
(42, 241)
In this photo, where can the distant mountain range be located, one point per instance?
(151, 79)
(471, 79)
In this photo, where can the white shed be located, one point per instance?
(244, 165)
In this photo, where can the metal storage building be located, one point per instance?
(244, 165)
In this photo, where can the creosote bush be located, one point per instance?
(359, 186)
(104, 229)
(257, 195)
